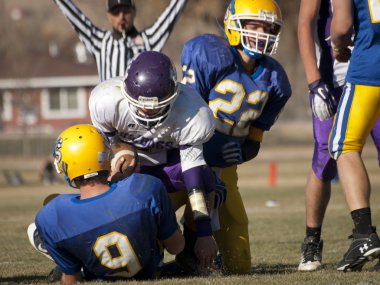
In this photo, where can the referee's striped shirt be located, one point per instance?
(114, 55)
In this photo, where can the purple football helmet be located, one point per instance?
(150, 88)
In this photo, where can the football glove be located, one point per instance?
(323, 103)
(235, 153)
(232, 153)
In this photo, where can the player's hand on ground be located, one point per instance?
(205, 250)
(323, 102)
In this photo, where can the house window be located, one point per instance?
(6, 106)
(63, 103)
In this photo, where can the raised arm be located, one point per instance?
(157, 35)
(90, 35)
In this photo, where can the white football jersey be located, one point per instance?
(189, 123)
(335, 70)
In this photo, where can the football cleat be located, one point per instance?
(54, 275)
(311, 254)
(364, 247)
(36, 242)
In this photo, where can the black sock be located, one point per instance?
(314, 232)
(362, 220)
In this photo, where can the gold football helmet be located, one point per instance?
(255, 42)
(81, 151)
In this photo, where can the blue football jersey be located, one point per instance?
(365, 59)
(238, 100)
(115, 233)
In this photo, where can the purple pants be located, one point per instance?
(171, 174)
(323, 165)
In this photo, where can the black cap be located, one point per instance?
(113, 3)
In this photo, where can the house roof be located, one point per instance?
(47, 71)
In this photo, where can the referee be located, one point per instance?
(114, 50)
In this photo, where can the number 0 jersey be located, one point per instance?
(114, 233)
(237, 99)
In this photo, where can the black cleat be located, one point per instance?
(364, 247)
(54, 275)
(311, 254)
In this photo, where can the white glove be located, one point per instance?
(323, 102)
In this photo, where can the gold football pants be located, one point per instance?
(233, 237)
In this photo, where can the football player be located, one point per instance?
(357, 114)
(167, 124)
(105, 232)
(246, 90)
(326, 78)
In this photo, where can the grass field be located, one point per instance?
(276, 233)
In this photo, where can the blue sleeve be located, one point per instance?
(205, 59)
(65, 261)
(165, 215)
(281, 92)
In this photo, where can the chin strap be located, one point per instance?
(252, 54)
(66, 176)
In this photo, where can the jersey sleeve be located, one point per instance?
(196, 126)
(45, 223)
(158, 34)
(163, 211)
(204, 60)
(194, 119)
(279, 95)
(105, 100)
(88, 33)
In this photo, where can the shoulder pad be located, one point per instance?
(214, 50)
